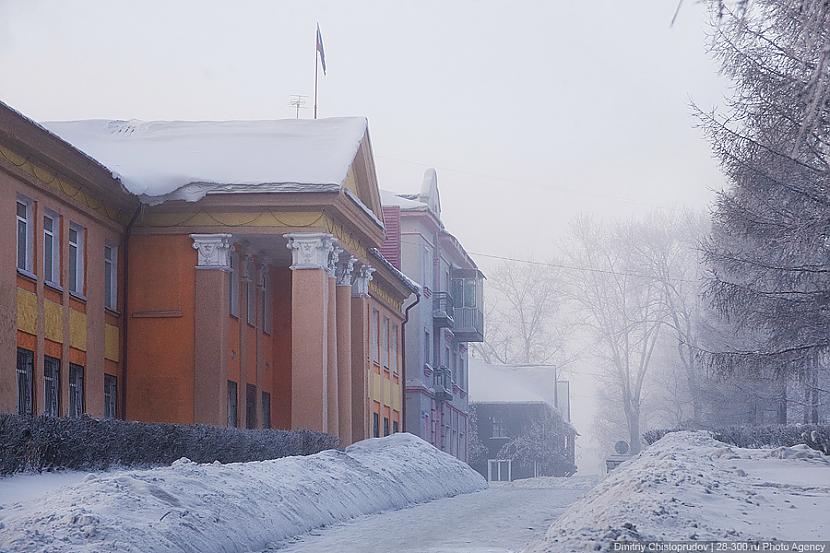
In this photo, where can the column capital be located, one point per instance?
(334, 259)
(345, 268)
(311, 250)
(362, 277)
(213, 250)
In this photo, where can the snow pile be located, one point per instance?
(189, 507)
(164, 160)
(688, 486)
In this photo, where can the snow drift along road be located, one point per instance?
(689, 486)
(238, 507)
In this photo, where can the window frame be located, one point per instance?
(28, 222)
(395, 362)
(26, 403)
(52, 278)
(233, 400)
(79, 274)
(111, 279)
(51, 383)
(266, 301)
(77, 395)
(250, 295)
(375, 424)
(374, 335)
(110, 412)
(386, 426)
(385, 342)
(266, 409)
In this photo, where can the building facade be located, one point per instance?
(239, 285)
(449, 316)
(522, 421)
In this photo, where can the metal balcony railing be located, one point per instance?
(442, 382)
(468, 324)
(442, 309)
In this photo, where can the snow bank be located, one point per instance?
(164, 160)
(688, 486)
(189, 507)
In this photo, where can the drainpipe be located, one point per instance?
(403, 360)
(125, 310)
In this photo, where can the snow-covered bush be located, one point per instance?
(815, 436)
(46, 443)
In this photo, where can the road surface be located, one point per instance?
(501, 519)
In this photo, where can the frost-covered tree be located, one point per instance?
(545, 443)
(769, 251)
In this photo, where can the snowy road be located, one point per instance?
(501, 519)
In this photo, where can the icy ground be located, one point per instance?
(689, 486)
(501, 519)
(237, 507)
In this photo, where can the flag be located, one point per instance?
(320, 49)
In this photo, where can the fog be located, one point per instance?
(533, 113)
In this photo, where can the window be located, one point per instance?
(250, 406)
(375, 425)
(233, 285)
(374, 328)
(469, 292)
(24, 235)
(25, 382)
(427, 269)
(111, 277)
(427, 348)
(76, 259)
(266, 301)
(461, 371)
(232, 404)
(266, 410)
(497, 430)
(51, 249)
(395, 348)
(384, 343)
(51, 386)
(76, 390)
(250, 295)
(110, 397)
(385, 426)
(394, 427)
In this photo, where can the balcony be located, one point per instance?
(469, 324)
(468, 310)
(442, 310)
(442, 382)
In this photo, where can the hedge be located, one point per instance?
(49, 443)
(816, 436)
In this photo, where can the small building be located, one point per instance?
(522, 422)
(449, 316)
(226, 273)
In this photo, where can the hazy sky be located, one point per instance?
(531, 111)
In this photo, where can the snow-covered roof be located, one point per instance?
(162, 160)
(394, 199)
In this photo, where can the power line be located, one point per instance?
(575, 267)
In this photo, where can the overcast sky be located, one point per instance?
(531, 111)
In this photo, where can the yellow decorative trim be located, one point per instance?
(279, 219)
(111, 342)
(396, 396)
(387, 392)
(346, 238)
(61, 186)
(379, 293)
(26, 311)
(77, 329)
(374, 388)
(53, 321)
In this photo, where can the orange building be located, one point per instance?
(230, 274)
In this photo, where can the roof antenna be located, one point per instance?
(298, 102)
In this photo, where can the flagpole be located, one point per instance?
(315, 76)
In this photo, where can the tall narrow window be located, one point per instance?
(385, 426)
(76, 390)
(24, 235)
(394, 348)
(250, 406)
(374, 329)
(51, 386)
(427, 348)
(266, 301)
(76, 259)
(394, 427)
(51, 249)
(110, 277)
(233, 285)
(110, 396)
(25, 381)
(384, 342)
(233, 420)
(375, 425)
(266, 410)
(250, 294)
